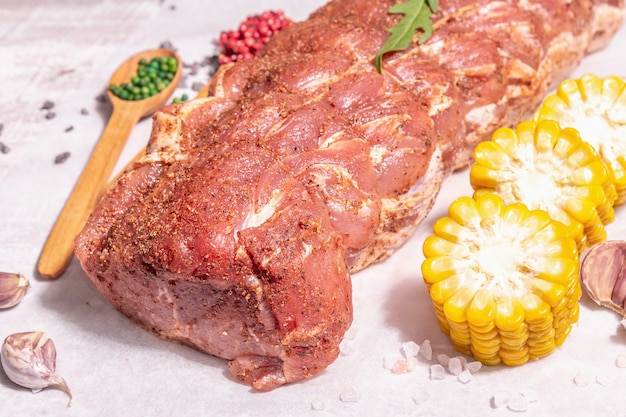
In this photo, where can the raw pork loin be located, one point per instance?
(237, 231)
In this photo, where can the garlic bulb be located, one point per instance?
(603, 275)
(29, 360)
(12, 289)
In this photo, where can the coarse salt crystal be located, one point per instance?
(518, 403)
(500, 399)
(581, 379)
(420, 397)
(463, 360)
(410, 349)
(399, 367)
(443, 359)
(473, 366)
(349, 395)
(437, 372)
(411, 363)
(455, 366)
(317, 404)
(465, 376)
(426, 350)
(620, 361)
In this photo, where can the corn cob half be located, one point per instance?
(596, 107)
(503, 279)
(551, 169)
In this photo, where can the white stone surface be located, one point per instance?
(65, 51)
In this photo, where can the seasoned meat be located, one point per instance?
(237, 232)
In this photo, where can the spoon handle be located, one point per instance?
(59, 248)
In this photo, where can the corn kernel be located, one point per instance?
(438, 246)
(448, 229)
(482, 310)
(439, 269)
(485, 338)
(535, 309)
(515, 357)
(440, 292)
(464, 212)
(456, 305)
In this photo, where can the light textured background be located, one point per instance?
(65, 51)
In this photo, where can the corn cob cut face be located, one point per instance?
(596, 107)
(503, 279)
(551, 169)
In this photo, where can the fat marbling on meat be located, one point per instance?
(237, 232)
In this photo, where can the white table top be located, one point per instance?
(65, 51)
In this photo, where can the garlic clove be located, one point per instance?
(603, 275)
(12, 288)
(29, 360)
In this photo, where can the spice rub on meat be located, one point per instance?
(236, 233)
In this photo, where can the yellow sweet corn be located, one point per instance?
(548, 168)
(503, 279)
(596, 107)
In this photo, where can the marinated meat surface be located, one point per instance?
(237, 232)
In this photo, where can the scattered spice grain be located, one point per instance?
(62, 157)
(197, 86)
(47, 105)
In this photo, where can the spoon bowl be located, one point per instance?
(59, 247)
(124, 73)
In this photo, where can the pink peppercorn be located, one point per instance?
(252, 35)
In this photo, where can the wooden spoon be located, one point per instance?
(59, 248)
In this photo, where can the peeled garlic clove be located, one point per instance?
(29, 360)
(12, 289)
(603, 275)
